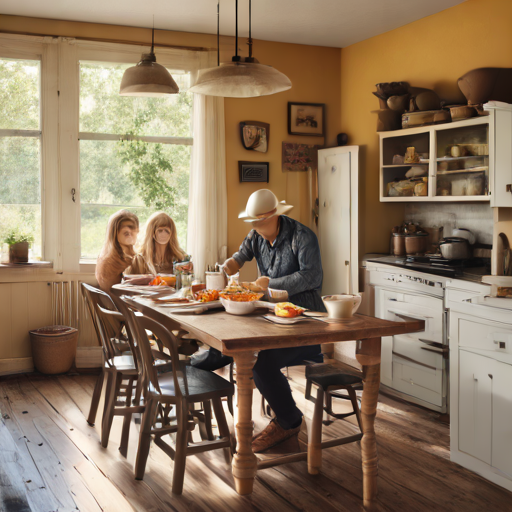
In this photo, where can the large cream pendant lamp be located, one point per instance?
(243, 77)
(148, 78)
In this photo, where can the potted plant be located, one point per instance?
(18, 246)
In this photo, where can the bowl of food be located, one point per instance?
(163, 280)
(240, 302)
(206, 295)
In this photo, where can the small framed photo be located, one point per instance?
(255, 135)
(306, 119)
(253, 172)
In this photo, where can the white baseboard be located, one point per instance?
(16, 365)
(86, 357)
(89, 357)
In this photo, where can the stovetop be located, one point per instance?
(472, 269)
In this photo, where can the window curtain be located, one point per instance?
(207, 210)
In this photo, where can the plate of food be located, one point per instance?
(286, 313)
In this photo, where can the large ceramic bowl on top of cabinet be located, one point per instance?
(480, 170)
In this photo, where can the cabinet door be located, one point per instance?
(334, 222)
(502, 417)
(475, 405)
(501, 193)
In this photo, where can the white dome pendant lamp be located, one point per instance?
(242, 77)
(147, 78)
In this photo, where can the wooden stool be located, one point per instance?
(329, 378)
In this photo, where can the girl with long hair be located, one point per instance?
(117, 252)
(160, 247)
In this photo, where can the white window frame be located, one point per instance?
(60, 171)
(44, 50)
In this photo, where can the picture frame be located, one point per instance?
(253, 172)
(299, 157)
(306, 119)
(255, 135)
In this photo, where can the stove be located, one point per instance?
(437, 265)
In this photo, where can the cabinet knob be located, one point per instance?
(490, 375)
(509, 187)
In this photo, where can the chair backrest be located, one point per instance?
(97, 299)
(138, 326)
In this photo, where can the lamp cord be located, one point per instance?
(218, 32)
(153, 36)
(236, 28)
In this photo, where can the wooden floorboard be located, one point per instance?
(52, 460)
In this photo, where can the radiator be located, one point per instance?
(69, 308)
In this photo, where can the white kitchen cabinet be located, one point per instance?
(480, 169)
(480, 337)
(475, 405)
(338, 218)
(502, 418)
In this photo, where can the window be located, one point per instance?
(134, 152)
(20, 150)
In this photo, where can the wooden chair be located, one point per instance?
(120, 370)
(93, 298)
(179, 390)
(329, 379)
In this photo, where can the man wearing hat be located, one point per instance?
(288, 258)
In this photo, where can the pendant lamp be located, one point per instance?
(148, 78)
(242, 77)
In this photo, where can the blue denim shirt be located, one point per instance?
(293, 263)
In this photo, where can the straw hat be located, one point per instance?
(262, 202)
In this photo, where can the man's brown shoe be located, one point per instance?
(273, 434)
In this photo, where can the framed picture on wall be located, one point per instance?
(255, 135)
(253, 172)
(306, 119)
(299, 157)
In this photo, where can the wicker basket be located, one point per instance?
(54, 348)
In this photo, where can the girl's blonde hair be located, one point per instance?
(112, 246)
(173, 251)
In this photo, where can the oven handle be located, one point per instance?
(414, 361)
(435, 344)
(443, 351)
(405, 315)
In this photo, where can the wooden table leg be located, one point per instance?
(244, 461)
(368, 355)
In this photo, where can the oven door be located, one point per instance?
(414, 363)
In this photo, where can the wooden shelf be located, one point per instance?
(450, 158)
(463, 171)
(404, 165)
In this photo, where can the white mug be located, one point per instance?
(341, 306)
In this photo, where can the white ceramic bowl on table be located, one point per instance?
(243, 308)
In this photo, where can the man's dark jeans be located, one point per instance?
(269, 379)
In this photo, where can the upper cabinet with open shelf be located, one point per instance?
(468, 160)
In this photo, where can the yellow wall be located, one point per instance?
(433, 52)
(315, 75)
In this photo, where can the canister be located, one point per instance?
(215, 280)
(399, 244)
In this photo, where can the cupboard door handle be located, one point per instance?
(432, 343)
(509, 187)
(490, 375)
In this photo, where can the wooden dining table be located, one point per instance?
(243, 337)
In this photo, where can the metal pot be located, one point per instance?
(455, 248)
(415, 243)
